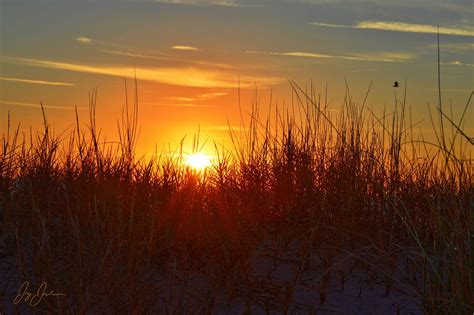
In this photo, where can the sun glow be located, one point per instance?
(199, 161)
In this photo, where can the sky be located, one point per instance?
(195, 59)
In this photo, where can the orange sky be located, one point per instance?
(190, 57)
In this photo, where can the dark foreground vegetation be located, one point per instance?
(312, 206)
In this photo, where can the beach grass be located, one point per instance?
(306, 200)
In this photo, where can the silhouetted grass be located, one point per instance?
(330, 196)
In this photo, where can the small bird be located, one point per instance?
(395, 84)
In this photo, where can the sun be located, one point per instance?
(199, 161)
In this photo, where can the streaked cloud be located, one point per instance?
(182, 47)
(181, 99)
(38, 105)
(168, 58)
(212, 95)
(84, 40)
(53, 83)
(117, 50)
(459, 63)
(402, 27)
(179, 76)
(458, 7)
(197, 98)
(381, 57)
(455, 47)
(185, 105)
(333, 25)
(224, 3)
(204, 96)
(300, 54)
(388, 56)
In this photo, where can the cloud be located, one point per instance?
(179, 76)
(190, 48)
(38, 105)
(36, 81)
(168, 58)
(84, 40)
(212, 95)
(300, 54)
(455, 47)
(459, 63)
(388, 56)
(458, 7)
(332, 25)
(197, 98)
(402, 27)
(381, 57)
(224, 3)
(114, 49)
(188, 105)
(181, 99)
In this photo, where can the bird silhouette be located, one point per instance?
(395, 84)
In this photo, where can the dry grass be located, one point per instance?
(316, 192)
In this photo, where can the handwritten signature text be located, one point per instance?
(33, 298)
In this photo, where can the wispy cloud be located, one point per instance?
(300, 54)
(402, 27)
(183, 47)
(168, 58)
(224, 3)
(212, 95)
(36, 82)
(84, 40)
(185, 105)
(459, 63)
(387, 56)
(181, 99)
(179, 76)
(117, 50)
(455, 47)
(381, 57)
(197, 98)
(38, 105)
(333, 25)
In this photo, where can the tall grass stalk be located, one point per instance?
(120, 233)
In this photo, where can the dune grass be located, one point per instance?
(308, 187)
